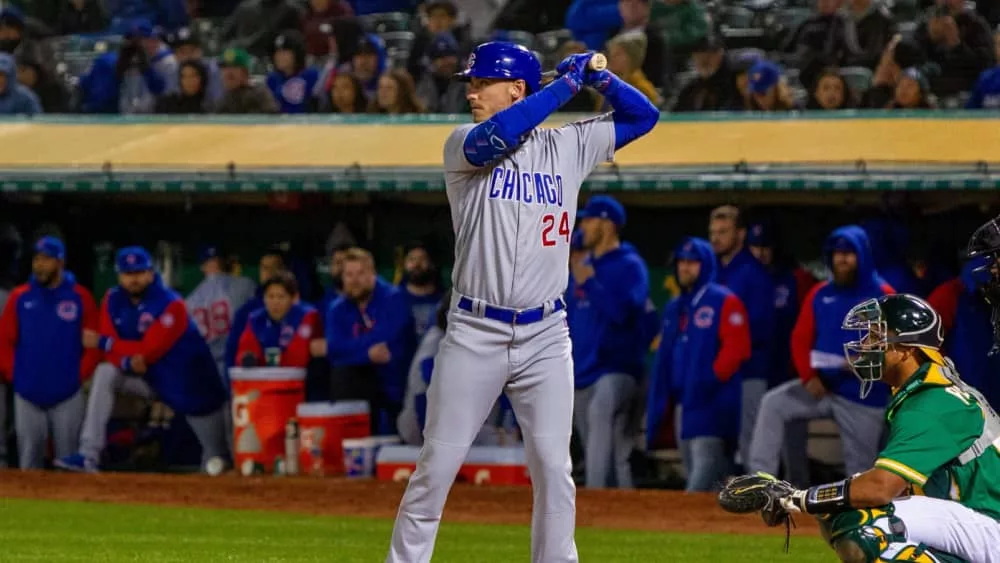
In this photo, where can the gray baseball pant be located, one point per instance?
(3, 425)
(602, 413)
(753, 392)
(478, 359)
(860, 426)
(33, 424)
(704, 459)
(209, 429)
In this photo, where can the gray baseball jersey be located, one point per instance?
(213, 305)
(513, 218)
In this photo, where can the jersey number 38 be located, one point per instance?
(549, 224)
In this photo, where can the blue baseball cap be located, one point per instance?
(843, 244)
(443, 45)
(51, 247)
(207, 253)
(133, 259)
(604, 207)
(763, 76)
(760, 234)
(688, 251)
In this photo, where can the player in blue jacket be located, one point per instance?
(152, 348)
(272, 262)
(370, 341)
(606, 297)
(753, 284)
(42, 330)
(704, 343)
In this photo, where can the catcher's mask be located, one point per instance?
(984, 246)
(891, 320)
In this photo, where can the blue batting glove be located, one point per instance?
(575, 64)
(599, 80)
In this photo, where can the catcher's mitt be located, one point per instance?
(759, 492)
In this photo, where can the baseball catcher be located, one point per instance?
(985, 243)
(934, 492)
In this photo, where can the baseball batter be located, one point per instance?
(934, 492)
(513, 193)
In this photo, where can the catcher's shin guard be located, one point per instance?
(876, 535)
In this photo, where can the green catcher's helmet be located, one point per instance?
(900, 319)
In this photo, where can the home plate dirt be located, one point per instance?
(634, 510)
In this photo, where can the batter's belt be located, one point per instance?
(510, 316)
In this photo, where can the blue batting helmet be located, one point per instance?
(504, 60)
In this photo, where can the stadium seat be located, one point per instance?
(907, 28)
(746, 53)
(515, 36)
(551, 41)
(743, 38)
(398, 40)
(386, 22)
(858, 78)
(737, 17)
(791, 18)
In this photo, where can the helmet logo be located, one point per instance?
(472, 61)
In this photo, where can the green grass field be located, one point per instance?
(33, 530)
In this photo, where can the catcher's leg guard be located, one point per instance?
(876, 535)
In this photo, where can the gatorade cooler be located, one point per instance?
(360, 454)
(263, 401)
(322, 429)
(494, 465)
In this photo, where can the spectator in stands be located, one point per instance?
(15, 98)
(422, 284)
(826, 386)
(768, 88)
(270, 265)
(240, 95)
(186, 45)
(318, 20)
(965, 317)
(152, 350)
(959, 41)
(532, 16)
(368, 63)
(899, 54)
(100, 87)
(42, 329)
(146, 68)
(257, 23)
(875, 29)
(52, 96)
(370, 341)
(342, 37)
(913, 91)
(625, 55)
(986, 93)
(683, 24)
(80, 16)
(439, 17)
(16, 38)
(366, 7)
(607, 294)
(292, 81)
(635, 16)
(742, 63)
(166, 15)
(714, 89)
(279, 333)
(191, 96)
(831, 92)
(827, 38)
(346, 96)
(437, 88)
(742, 274)
(704, 342)
(586, 99)
(396, 94)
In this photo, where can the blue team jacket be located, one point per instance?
(752, 283)
(690, 344)
(986, 93)
(786, 310)
(387, 318)
(180, 366)
(606, 317)
(41, 330)
(818, 339)
(293, 93)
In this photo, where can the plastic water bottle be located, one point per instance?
(292, 447)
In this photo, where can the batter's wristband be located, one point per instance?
(105, 343)
(831, 498)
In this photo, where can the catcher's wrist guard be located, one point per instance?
(831, 498)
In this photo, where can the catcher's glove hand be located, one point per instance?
(759, 492)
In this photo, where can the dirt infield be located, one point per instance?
(634, 510)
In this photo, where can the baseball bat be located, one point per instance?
(596, 63)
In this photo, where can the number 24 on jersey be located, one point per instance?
(549, 221)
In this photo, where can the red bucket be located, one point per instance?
(263, 401)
